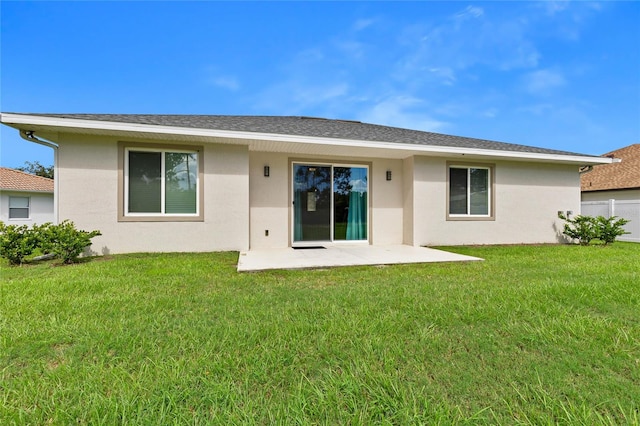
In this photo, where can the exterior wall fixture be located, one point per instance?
(266, 171)
(388, 174)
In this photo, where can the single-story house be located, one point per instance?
(154, 183)
(25, 199)
(614, 189)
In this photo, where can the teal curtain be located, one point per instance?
(357, 216)
(297, 213)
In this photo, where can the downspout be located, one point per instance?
(29, 136)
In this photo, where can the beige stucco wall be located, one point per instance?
(407, 202)
(40, 208)
(270, 198)
(528, 197)
(90, 200)
(240, 204)
(623, 194)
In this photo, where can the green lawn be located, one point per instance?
(532, 335)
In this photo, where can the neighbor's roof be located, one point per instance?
(306, 130)
(15, 180)
(622, 175)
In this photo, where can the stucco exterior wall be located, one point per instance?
(407, 202)
(621, 194)
(240, 204)
(40, 208)
(527, 199)
(88, 195)
(270, 198)
(387, 211)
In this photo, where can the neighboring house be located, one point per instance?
(205, 183)
(614, 189)
(25, 199)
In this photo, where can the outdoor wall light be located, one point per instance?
(266, 171)
(388, 174)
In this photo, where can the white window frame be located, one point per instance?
(468, 168)
(12, 197)
(163, 152)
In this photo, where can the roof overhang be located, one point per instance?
(26, 191)
(270, 142)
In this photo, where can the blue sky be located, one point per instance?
(562, 75)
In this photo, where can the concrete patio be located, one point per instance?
(342, 255)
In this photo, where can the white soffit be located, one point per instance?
(270, 142)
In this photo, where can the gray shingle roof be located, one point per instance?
(310, 126)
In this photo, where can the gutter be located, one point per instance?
(29, 136)
(588, 168)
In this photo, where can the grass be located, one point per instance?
(533, 335)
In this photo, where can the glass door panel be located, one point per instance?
(350, 205)
(311, 203)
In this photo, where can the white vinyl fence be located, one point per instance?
(621, 208)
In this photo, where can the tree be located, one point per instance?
(35, 168)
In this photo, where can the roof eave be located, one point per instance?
(626, 188)
(23, 121)
(26, 190)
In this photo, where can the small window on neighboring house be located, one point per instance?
(19, 207)
(470, 192)
(161, 183)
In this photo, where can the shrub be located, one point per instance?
(608, 229)
(581, 228)
(17, 242)
(588, 228)
(65, 241)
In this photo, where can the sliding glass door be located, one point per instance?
(330, 203)
(311, 203)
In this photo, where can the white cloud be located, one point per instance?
(353, 49)
(308, 95)
(490, 113)
(213, 77)
(226, 82)
(301, 97)
(568, 18)
(470, 38)
(361, 24)
(402, 111)
(537, 109)
(445, 74)
(469, 12)
(543, 82)
(554, 7)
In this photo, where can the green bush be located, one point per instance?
(17, 242)
(65, 241)
(581, 228)
(608, 229)
(588, 228)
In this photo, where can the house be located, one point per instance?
(154, 183)
(614, 189)
(25, 199)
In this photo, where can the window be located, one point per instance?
(161, 182)
(19, 207)
(470, 192)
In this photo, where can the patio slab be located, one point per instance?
(342, 255)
